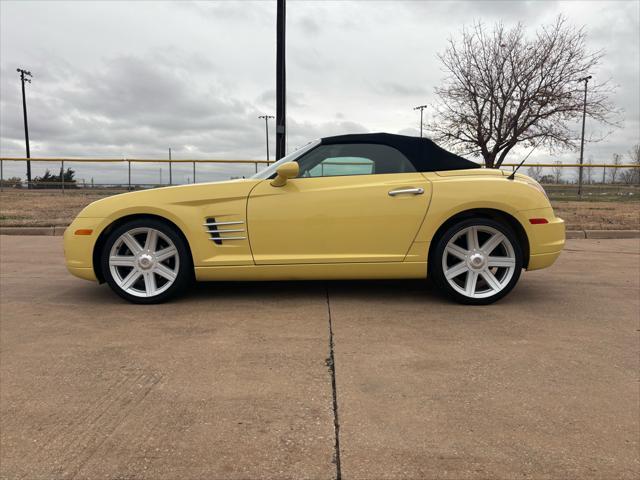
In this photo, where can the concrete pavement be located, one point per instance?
(232, 380)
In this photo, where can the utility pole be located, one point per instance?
(584, 114)
(23, 75)
(421, 108)
(266, 129)
(170, 173)
(281, 83)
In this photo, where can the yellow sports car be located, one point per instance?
(364, 206)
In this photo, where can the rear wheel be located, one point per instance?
(146, 261)
(477, 261)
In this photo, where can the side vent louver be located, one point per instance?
(217, 229)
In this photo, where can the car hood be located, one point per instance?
(158, 198)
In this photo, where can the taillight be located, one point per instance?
(538, 221)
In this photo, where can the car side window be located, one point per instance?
(333, 166)
(353, 159)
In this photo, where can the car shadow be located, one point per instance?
(355, 289)
(422, 291)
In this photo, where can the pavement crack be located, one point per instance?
(331, 364)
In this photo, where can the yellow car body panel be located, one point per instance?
(464, 190)
(321, 228)
(187, 207)
(336, 219)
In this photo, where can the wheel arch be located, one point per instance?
(492, 214)
(104, 234)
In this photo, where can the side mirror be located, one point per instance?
(285, 172)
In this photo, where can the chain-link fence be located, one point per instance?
(119, 174)
(600, 181)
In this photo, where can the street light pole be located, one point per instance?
(584, 114)
(281, 81)
(266, 129)
(421, 108)
(23, 75)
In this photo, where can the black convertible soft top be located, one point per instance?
(423, 153)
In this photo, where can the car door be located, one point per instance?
(350, 203)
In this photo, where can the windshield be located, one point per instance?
(271, 169)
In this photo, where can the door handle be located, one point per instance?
(412, 191)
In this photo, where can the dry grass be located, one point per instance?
(45, 208)
(623, 215)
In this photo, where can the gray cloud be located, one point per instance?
(399, 89)
(116, 78)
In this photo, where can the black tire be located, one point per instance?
(184, 266)
(436, 268)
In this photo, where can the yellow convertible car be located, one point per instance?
(366, 206)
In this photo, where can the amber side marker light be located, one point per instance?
(83, 231)
(538, 221)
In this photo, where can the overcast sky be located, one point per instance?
(134, 78)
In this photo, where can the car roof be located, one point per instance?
(423, 153)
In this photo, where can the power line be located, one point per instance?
(266, 129)
(584, 114)
(421, 108)
(23, 78)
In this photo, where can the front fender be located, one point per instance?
(79, 247)
(186, 206)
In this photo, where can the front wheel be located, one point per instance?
(146, 261)
(477, 261)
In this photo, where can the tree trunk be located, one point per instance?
(489, 160)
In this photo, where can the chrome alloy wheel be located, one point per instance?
(144, 262)
(478, 261)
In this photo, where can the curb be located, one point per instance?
(612, 234)
(573, 234)
(46, 231)
(570, 234)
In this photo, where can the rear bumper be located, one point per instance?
(546, 241)
(542, 260)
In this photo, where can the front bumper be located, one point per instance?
(78, 249)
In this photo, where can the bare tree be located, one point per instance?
(634, 156)
(588, 170)
(631, 176)
(557, 172)
(628, 176)
(504, 89)
(613, 172)
(535, 172)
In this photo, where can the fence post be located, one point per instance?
(1, 175)
(194, 172)
(62, 176)
(170, 173)
(129, 183)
